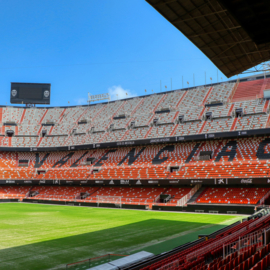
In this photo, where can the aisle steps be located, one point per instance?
(196, 195)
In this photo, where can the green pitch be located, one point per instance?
(49, 236)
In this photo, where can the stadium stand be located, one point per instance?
(217, 125)
(230, 158)
(58, 193)
(220, 93)
(202, 110)
(250, 90)
(12, 115)
(177, 193)
(175, 196)
(232, 195)
(238, 246)
(160, 176)
(14, 192)
(177, 113)
(129, 195)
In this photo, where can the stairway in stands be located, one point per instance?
(196, 195)
(267, 201)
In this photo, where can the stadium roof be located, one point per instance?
(233, 34)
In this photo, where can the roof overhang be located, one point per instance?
(233, 34)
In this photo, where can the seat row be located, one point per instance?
(232, 195)
(142, 195)
(127, 195)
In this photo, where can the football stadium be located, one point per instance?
(174, 180)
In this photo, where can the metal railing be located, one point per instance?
(170, 266)
(253, 224)
(188, 196)
(233, 91)
(264, 197)
(243, 243)
(218, 243)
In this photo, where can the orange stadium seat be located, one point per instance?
(129, 195)
(232, 195)
(14, 192)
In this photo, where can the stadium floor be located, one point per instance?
(37, 237)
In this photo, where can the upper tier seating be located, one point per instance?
(11, 114)
(114, 136)
(24, 141)
(89, 116)
(220, 93)
(250, 90)
(218, 125)
(220, 111)
(120, 124)
(129, 106)
(256, 121)
(192, 113)
(68, 121)
(31, 121)
(166, 118)
(175, 113)
(187, 128)
(160, 131)
(52, 141)
(135, 134)
(143, 120)
(149, 104)
(195, 97)
(53, 115)
(251, 106)
(171, 101)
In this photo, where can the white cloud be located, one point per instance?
(117, 92)
(81, 101)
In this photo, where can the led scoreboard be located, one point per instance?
(30, 93)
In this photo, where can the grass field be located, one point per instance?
(50, 236)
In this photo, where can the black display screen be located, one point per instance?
(26, 93)
(30, 93)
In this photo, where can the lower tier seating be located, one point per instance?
(129, 195)
(175, 194)
(14, 192)
(232, 195)
(136, 195)
(60, 193)
(211, 255)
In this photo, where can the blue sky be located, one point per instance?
(95, 46)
